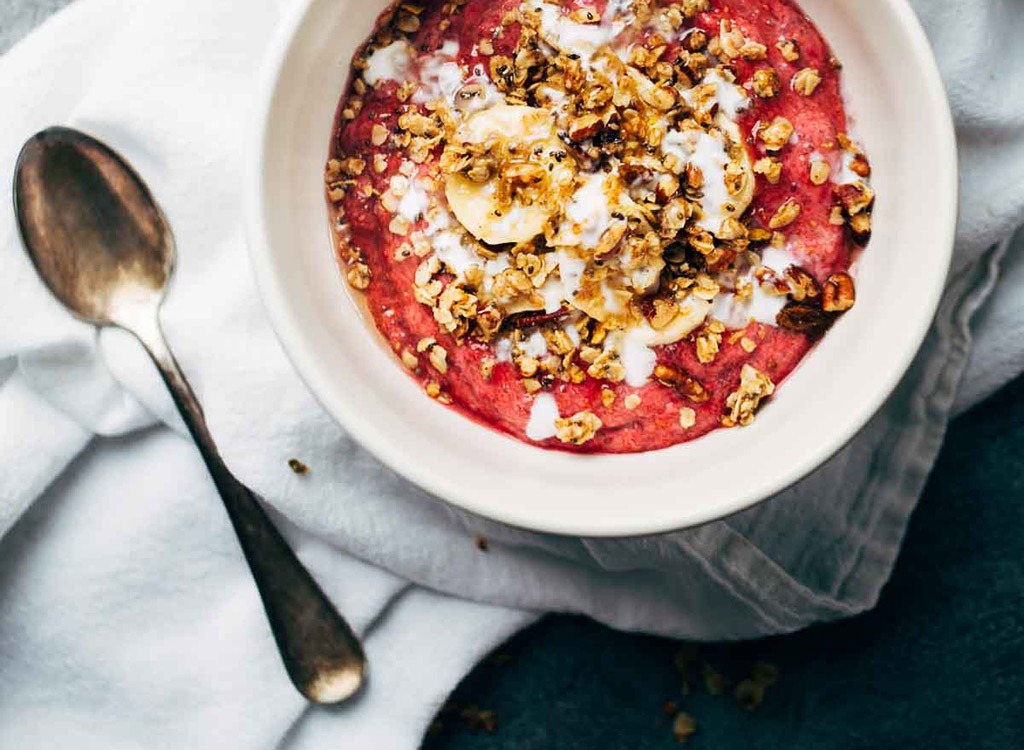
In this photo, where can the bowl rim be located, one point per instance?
(303, 357)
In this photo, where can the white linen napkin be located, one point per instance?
(127, 617)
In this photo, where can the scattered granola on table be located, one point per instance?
(749, 692)
(297, 466)
(608, 226)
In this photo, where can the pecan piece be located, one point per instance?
(860, 166)
(855, 198)
(585, 127)
(685, 384)
(802, 285)
(838, 294)
(860, 228)
(526, 320)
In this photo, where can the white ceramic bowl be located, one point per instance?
(901, 114)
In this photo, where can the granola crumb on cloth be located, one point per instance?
(611, 226)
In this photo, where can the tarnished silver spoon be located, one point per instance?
(103, 247)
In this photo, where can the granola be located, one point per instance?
(614, 206)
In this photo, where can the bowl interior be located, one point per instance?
(900, 113)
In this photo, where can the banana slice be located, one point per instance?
(692, 314)
(525, 142)
(475, 206)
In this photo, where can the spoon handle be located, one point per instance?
(323, 656)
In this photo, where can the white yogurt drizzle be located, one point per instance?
(708, 152)
(585, 39)
(588, 214)
(391, 63)
(543, 415)
(761, 306)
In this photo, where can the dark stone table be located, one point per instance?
(939, 663)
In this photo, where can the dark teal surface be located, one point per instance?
(939, 663)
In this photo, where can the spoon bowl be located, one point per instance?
(91, 227)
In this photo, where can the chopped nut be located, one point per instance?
(410, 360)
(632, 402)
(786, 214)
(407, 22)
(687, 417)
(585, 127)
(693, 7)
(838, 293)
(683, 727)
(855, 198)
(679, 380)
(790, 50)
(730, 39)
(748, 345)
(607, 366)
(695, 40)
(438, 358)
(297, 466)
(776, 135)
(715, 683)
(750, 694)
(753, 51)
(400, 225)
(578, 429)
(607, 398)
(802, 286)
(359, 276)
(528, 366)
(860, 226)
(379, 135)
(745, 401)
(478, 720)
(806, 81)
(770, 168)
(766, 83)
(708, 344)
(665, 311)
(820, 172)
(353, 166)
(336, 193)
(860, 166)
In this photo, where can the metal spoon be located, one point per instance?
(101, 244)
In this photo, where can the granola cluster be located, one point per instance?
(585, 190)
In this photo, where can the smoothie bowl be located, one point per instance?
(603, 268)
